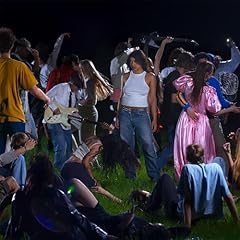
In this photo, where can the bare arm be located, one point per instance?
(232, 108)
(232, 207)
(227, 149)
(187, 213)
(123, 79)
(100, 189)
(159, 54)
(152, 98)
(88, 158)
(38, 93)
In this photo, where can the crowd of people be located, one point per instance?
(58, 101)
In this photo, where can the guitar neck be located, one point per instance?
(103, 125)
(81, 119)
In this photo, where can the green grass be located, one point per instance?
(117, 184)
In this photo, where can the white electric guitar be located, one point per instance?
(62, 118)
(66, 116)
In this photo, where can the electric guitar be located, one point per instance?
(52, 118)
(81, 119)
(66, 116)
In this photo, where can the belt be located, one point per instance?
(134, 108)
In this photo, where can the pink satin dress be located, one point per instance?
(189, 131)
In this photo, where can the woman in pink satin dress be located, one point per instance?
(204, 100)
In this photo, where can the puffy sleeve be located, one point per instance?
(181, 83)
(213, 104)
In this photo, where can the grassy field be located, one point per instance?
(121, 187)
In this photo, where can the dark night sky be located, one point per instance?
(97, 25)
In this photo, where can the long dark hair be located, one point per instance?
(40, 173)
(140, 58)
(199, 80)
(116, 152)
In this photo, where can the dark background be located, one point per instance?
(98, 25)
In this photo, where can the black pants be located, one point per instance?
(164, 195)
(110, 223)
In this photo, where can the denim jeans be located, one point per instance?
(62, 143)
(9, 128)
(17, 169)
(138, 122)
(167, 151)
(30, 125)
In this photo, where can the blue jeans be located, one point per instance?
(62, 143)
(17, 169)
(138, 122)
(167, 151)
(9, 128)
(30, 125)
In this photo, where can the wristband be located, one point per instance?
(186, 107)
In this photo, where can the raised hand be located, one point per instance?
(66, 34)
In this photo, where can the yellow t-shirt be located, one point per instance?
(14, 76)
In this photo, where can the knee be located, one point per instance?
(165, 178)
(12, 183)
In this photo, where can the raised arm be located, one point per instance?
(52, 60)
(231, 64)
(227, 149)
(159, 54)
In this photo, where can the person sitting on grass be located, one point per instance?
(200, 188)
(125, 225)
(13, 163)
(8, 186)
(113, 150)
(43, 211)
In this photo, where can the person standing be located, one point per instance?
(205, 100)
(14, 76)
(137, 101)
(63, 95)
(97, 89)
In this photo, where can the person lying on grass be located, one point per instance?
(199, 192)
(124, 225)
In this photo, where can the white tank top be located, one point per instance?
(135, 91)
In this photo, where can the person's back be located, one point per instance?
(207, 186)
(12, 78)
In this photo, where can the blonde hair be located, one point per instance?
(103, 87)
(236, 166)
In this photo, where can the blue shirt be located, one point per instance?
(213, 82)
(204, 185)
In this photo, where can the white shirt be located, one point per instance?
(135, 91)
(60, 94)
